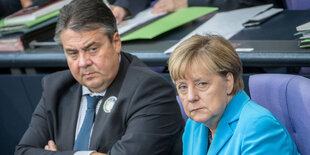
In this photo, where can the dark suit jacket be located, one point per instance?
(145, 119)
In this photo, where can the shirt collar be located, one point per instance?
(86, 91)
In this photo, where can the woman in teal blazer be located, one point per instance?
(223, 119)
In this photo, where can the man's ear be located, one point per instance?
(229, 83)
(116, 42)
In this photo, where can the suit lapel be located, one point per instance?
(70, 110)
(224, 130)
(200, 140)
(113, 90)
(222, 135)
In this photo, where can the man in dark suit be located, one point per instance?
(138, 113)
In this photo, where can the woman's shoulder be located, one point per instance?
(258, 124)
(252, 110)
(255, 118)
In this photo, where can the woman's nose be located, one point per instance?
(192, 95)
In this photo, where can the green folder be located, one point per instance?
(169, 22)
(305, 43)
(34, 22)
(49, 22)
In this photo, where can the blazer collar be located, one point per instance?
(70, 110)
(225, 128)
(112, 90)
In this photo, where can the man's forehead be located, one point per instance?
(69, 36)
(80, 32)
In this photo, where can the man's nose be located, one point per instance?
(84, 60)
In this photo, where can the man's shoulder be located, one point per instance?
(132, 59)
(59, 75)
(58, 79)
(137, 69)
(142, 73)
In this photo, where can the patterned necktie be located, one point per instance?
(83, 137)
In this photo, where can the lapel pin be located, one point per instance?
(109, 103)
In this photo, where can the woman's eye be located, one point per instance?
(202, 84)
(182, 87)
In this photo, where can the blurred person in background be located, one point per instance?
(8, 7)
(223, 5)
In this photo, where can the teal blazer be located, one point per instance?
(245, 128)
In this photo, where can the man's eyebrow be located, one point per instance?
(70, 49)
(88, 45)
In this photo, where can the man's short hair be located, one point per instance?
(86, 15)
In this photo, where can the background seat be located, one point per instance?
(288, 98)
(297, 4)
(19, 95)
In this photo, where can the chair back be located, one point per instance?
(288, 98)
(297, 4)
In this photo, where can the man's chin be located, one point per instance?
(93, 86)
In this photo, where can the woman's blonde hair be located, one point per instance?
(212, 52)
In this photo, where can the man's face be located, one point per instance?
(92, 58)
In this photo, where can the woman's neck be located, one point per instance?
(212, 127)
(213, 122)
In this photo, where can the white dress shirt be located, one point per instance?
(82, 113)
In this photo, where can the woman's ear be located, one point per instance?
(229, 83)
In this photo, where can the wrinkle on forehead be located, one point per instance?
(72, 38)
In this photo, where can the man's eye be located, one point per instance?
(93, 49)
(72, 53)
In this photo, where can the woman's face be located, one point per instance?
(204, 94)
